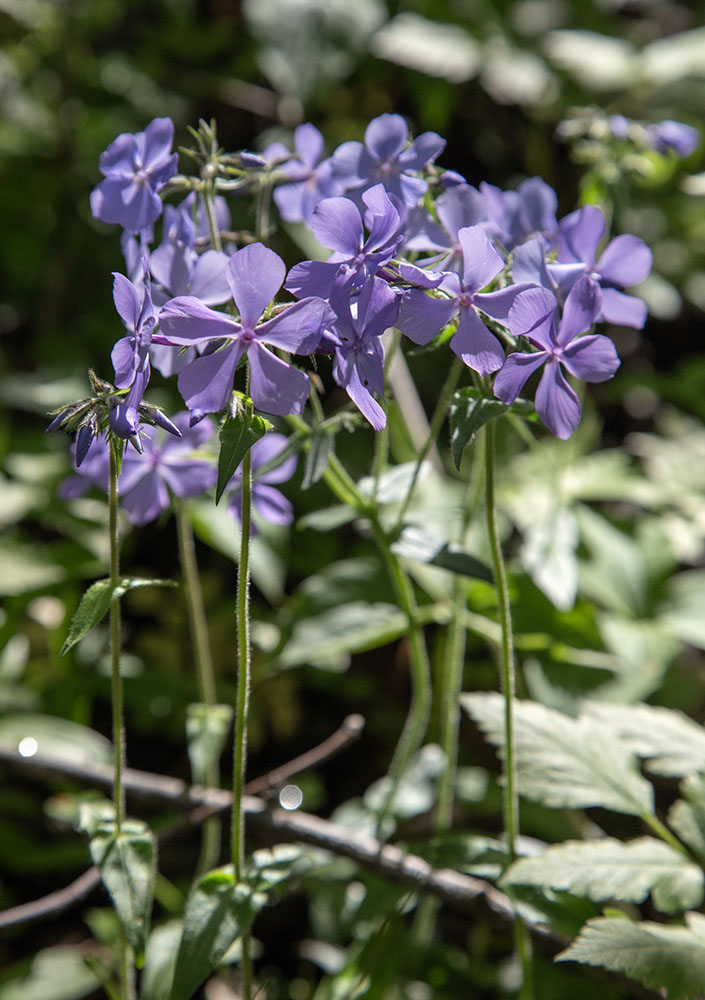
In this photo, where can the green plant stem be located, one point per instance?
(522, 942)
(116, 679)
(242, 704)
(208, 193)
(210, 842)
(665, 834)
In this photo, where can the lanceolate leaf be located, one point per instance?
(608, 869)
(468, 413)
(127, 863)
(96, 601)
(207, 729)
(219, 911)
(656, 955)
(237, 435)
(423, 546)
(317, 456)
(562, 761)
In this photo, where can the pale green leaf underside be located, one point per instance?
(95, 603)
(656, 955)
(565, 762)
(608, 869)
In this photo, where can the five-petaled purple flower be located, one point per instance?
(535, 315)
(255, 275)
(387, 157)
(135, 166)
(310, 177)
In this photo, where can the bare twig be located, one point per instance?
(459, 891)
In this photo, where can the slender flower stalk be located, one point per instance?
(210, 844)
(117, 699)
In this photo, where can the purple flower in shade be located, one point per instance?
(255, 275)
(673, 137)
(514, 216)
(359, 355)
(135, 166)
(422, 316)
(130, 355)
(535, 315)
(270, 504)
(165, 463)
(626, 260)
(387, 157)
(310, 177)
(618, 126)
(337, 224)
(457, 208)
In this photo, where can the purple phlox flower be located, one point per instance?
(255, 275)
(311, 178)
(515, 216)
(457, 208)
(422, 316)
(673, 137)
(125, 416)
(221, 211)
(135, 166)
(618, 126)
(387, 157)
(359, 356)
(626, 260)
(165, 463)
(593, 358)
(270, 504)
(531, 265)
(338, 224)
(130, 355)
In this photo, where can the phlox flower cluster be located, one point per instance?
(511, 287)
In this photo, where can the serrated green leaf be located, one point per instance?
(424, 546)
(672, 744)
(562, 761)
(608, 869)
(686, 817)
(127, 863)
(95, 602)
(236, 436)
(468, 413)
(656, 955)
(326, 640)
(317, 457)
(207, 728)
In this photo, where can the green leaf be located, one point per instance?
(686, 817)
(672, 744)
(468, 413)
(424, 546)
(608, 869)
(326, 640)
(207, 728)
(96, 601)
(55, 737)
(127, 863)
(656, 955)
(236, 436)
(317, 457)
(562, 761)
(549, 555)
(160, 961)
(415, 792)
(219, 911)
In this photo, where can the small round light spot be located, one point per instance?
(290, 797)
(27, 747)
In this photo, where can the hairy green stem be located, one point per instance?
(210, 842)
(208, 193)
(242, 704)
(116, 679)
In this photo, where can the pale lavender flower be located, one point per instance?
(359, 355)
(515, 216)
(255, 275)
(311, 178)
(673, 137)
(387, 157)
(593, 358)
(422, 316)
(130, 355)
(135, 167)
(338, 224)
(626, 260)
(457, 208)
(268, 503)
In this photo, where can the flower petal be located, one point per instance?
(510, 379)
(622, 309)
(337, 225)
(531, 315)
(271, 505)
(475, 345)
(185, 320)
(626, 261)
(207, 382)
(556, 403)
(299, 327)
(147, 500)
(421, 316)
(385, 136)
(580, 311)
(127, 300)
(592, 359)
(481, 262)
(580, 234)
(255, 275)
(275, 386)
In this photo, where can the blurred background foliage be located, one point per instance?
(518, 88)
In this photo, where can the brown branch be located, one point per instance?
(459, 891)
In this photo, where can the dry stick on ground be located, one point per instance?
(458, 891)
